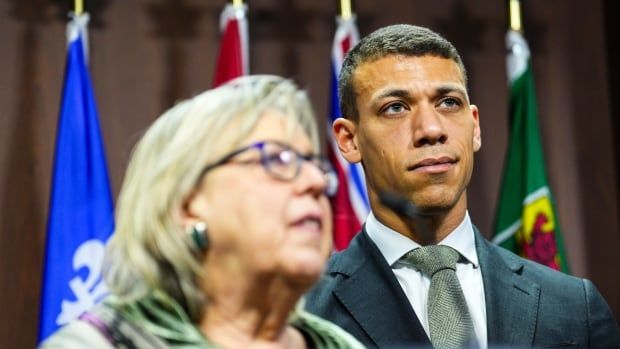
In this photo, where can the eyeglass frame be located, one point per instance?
(323, 164)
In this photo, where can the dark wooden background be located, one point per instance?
(146, 54)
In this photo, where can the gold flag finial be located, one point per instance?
(78, 7)
(345, 9)
(515, 15)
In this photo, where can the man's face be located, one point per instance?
(416, 134)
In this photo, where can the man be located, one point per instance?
(408, 120)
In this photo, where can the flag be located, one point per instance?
(350, 204)
(233, 58)
(526, 220)
(81, 213)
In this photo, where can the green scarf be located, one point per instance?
(159, 317)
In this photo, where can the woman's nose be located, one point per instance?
(313, 178)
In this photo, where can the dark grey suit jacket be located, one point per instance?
(527, 304)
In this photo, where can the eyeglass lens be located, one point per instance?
(281, 161)
(285, 163)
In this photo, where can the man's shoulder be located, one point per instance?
(538, 273)
(349, 260)
(340, 267)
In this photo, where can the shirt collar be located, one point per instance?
(394, 245)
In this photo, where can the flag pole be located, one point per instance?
(79, 7)
(515, 15)
(345, 9)
(237, 3)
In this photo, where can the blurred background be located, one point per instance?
(147, 54)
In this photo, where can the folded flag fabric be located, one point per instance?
(233, 58)
(350, 204)
(81, 211)
(526, 220)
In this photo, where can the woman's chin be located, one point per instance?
(305, 268)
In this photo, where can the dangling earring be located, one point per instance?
(200, 236)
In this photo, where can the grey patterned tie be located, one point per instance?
(449, 320)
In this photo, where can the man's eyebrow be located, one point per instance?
(442, 90)
(396, 92)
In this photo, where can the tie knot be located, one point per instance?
(433, 258)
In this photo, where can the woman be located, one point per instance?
(223, 223)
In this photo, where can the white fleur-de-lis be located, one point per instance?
(87, 292)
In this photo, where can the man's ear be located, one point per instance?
(346, 138)
(477, 133)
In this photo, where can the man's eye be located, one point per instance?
(394, 108)
(450, 102)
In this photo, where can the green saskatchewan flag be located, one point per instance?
(526, 222)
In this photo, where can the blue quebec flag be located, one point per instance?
(81, 211)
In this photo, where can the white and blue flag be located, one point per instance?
(81, 216)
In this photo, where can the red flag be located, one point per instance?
(232, 60)
(350, 204)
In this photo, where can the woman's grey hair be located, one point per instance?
(398, 39)
(149, 250)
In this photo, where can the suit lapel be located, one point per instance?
(511, 299)
(374, 298)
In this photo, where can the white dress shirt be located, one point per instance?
(415, 284)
